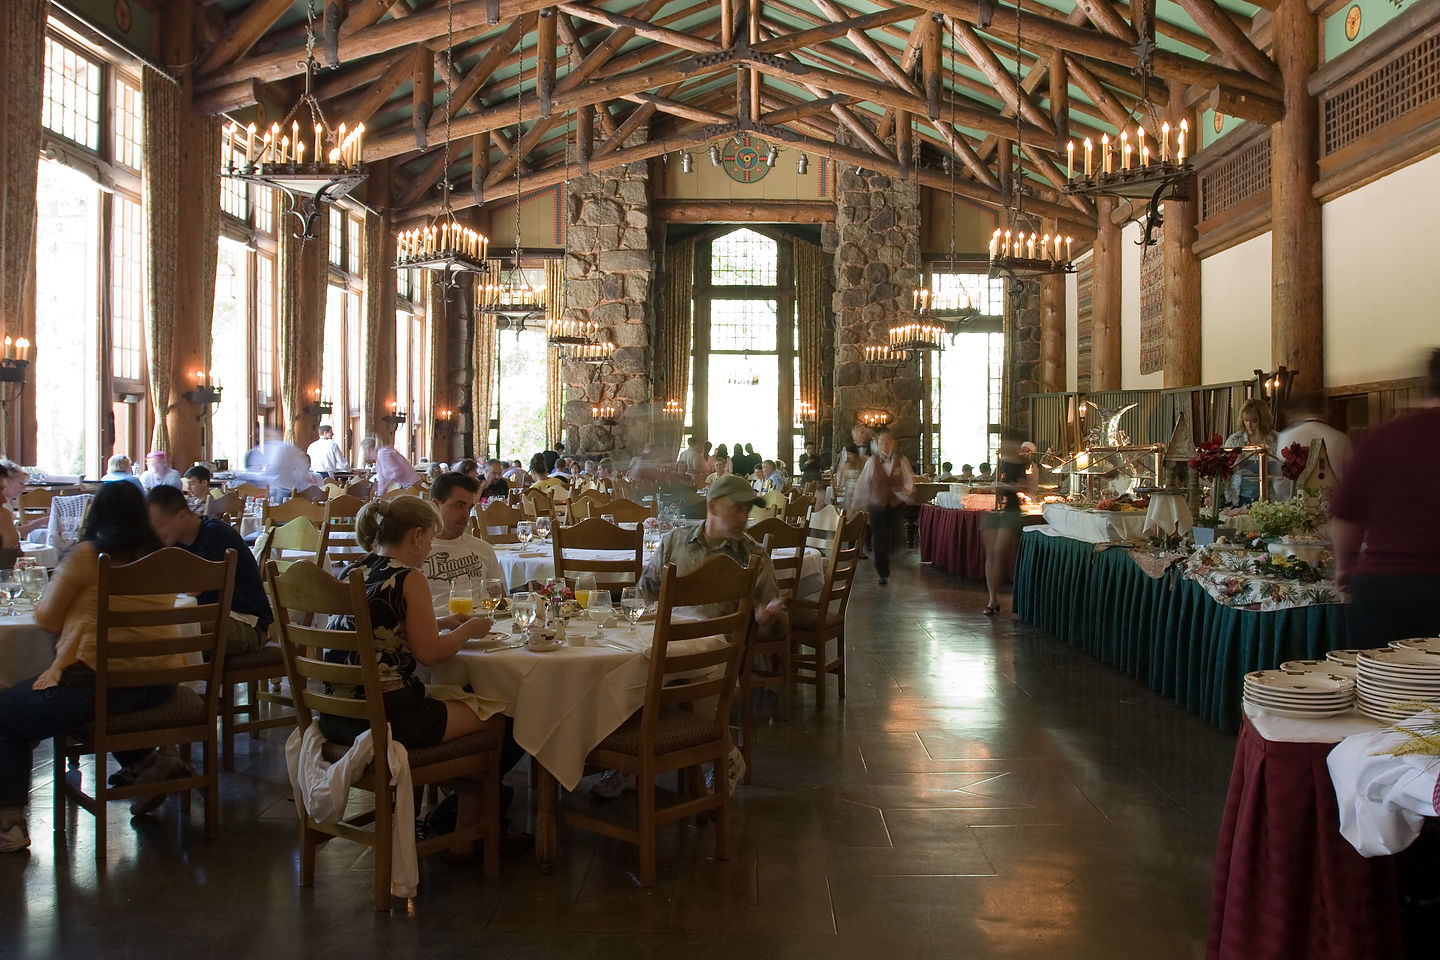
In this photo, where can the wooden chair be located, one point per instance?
(340, 544)
(316, 495)
(762, 512)
(360, 489)
(536, 503)
(297, 540)
(333, 490)
(35, 504)
(260, 672)
(628, 511)
(306, 592)
(774, 668)
(247, 491)
(495, 522)
(229, 506)
(588, 504)
(823, 525)
(815, 622)
(676, 730)
(278, 514)
(797, 509)
(596, 534)
(128, 628)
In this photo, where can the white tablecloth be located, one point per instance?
(25, 649)
(1094, 526)
(566, 701)
(47, 556)
(531, 563)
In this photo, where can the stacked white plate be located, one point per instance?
(1299, 694)
(1334, 668)
(1408, 672)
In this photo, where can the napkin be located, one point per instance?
(1168, 514)
(1383, 799)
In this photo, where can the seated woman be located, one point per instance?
(1257, 426)
(63, 697)
(13, 527)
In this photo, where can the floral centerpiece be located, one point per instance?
(657, 525)
(1295, 457)
(1213, 461)
(556, 590)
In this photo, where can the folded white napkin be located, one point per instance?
(1383, 799)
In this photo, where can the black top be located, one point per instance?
(385, 589)
(214, 538)
(497, 489)
(1009, 474)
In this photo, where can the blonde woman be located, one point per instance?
(1257, 426)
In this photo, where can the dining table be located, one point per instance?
(563, 702)
(527, 564)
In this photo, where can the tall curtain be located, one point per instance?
(810, 316)
(22, 60)
(554, 398)
(482, 366)
(376, 304)
(675, 325)
(162, 215)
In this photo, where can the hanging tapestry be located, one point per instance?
(1084, 322)
(1152, 305)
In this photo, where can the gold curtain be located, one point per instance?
(436, 310)
(810, 315)
(162, 214)
(302, 320)
(22, 61)
(375, 306)
(554, 398)
(482, 365)
(675, 325)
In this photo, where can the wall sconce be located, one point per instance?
(802, 166)
(206, 390)
(605, 414)
(874, 418)
(714, 155)
(805, 412)
(13, 367)
(395, 417)
(317, 407)
(444, 422)
(772, 156)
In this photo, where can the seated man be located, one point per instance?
(494, 484)
(159, 471)
(250, 615)
(967, 474)
(197, 484)
(121, 469)
(947, 473)
(455, 552)
(727, 508)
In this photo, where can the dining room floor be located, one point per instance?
(983, 791)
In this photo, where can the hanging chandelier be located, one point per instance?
(673, 410)
(1014, 252)
(445, 245)
(597, 352)
(334, 167)
(884, 355)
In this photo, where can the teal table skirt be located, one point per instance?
(1168, 632)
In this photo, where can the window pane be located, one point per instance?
(234, 198)
(129, 125)
(337, 237)
(127, 296)
(72, 95)
(742, 325)
(265, 321)
(402, 374)
(742, 391)
(353, 324)
(355, 262)
(67, 379)
(402, 284)
(334, 356)
(744, 257)
(420, 385)
(230, 352)
(520, 370)
(264, 208)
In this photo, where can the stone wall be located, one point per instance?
(1022, 352)
(609, 270)
(876, 244)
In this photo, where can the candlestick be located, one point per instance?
(1045, 247)
(1180, 151)
(249, 144)
(1030, 247)
(299, 152)
(1088, 148)
(1070, 158)
(1144, 156)
(1068, 241)
(1125, 150)
(994, 239)
(318, 130)
(1105, 152)
(1165, 141)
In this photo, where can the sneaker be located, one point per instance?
(14, 837)
(160, 767)
(736, 768)
(611, 784)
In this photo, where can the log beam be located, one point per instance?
(743, 211)
(1216, 23)
(1235, 103)
(479, 165)
(242, 33)
(1297, 331)
(640, 27)
(545, 46)
(983, 57)
(422, 95)
(1181, 307)
(1105, 328)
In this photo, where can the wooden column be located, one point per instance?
(1052, 327)
(1297, 331)
(312, 290)
(1105, 336)
(1181, 308)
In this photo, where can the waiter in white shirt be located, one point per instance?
(1306, 425)
(326, 457)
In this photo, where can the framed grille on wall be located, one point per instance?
(1405, 82)
(1084, 322)
(1236, 178)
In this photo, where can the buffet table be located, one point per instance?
(1094, 526)
(950, 539)
(1165, 631)
(1286, 883)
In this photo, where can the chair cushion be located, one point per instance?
(267, 656)
(185, 709)
(676, 730)
(803, 617)
(482, 741)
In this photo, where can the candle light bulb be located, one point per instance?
(1105, 152)
(1180, 150)
(1070, 158)
(1165, 141)
(1089, 147)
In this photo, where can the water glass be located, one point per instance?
(33, 578)
(600, 607)
(522, 606)
(632, 602)
(542, 527)
(525, 530)
(10, 588)
(491, 592)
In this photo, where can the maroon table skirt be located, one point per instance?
(1287, 885)
(950, 539)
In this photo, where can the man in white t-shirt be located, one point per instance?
(454, 552)
(326, 457)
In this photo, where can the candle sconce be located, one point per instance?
(205, 391)
(444, 423)
(317, 407)
(605, 414)
(673, 410)
(395, 418)
(874, 418)
(13, 371)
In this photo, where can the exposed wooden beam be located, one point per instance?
(425, 178)
(786, 42)
(1005, 85)
(423, 27)
(479, 165)
(1059, 98)
(1107, 18)
(422, 95)
(930, 65)
(870, 49)
(245, 93)
(1114, 110)
(1246, 106)
(1237, 46)
(250, 25)
(545, 54)
(640, 28)
(908, 59)
(743, 211)
(333, 17)
(381, 90)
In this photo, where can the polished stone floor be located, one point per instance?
(984, 791)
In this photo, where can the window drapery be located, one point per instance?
(675, 325)
(302, 323)
(482, 369)
(22, 33)
(378, 279)
(810, 316)
(554, 398)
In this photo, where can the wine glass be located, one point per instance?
(11, 588)
(584, 588)
(600, 608)
(633, 603)
(522, 607)
(33, 578)
(542, 527)
(525, 530)
(492, 591)
(462, 596)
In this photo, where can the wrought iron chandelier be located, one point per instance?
(278, 157)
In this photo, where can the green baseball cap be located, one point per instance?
(736, 489)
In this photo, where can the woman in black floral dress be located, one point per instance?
(398, 533)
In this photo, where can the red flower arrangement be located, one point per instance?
(1296, 457)
(1212, 459)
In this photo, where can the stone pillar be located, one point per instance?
(608, 274)
(1022, 353)
(1297, 330)
(876, 244)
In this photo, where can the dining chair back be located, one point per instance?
(627, 511)
(536, 503)
(797, 509)
(306, 594)
(229, 506)
(299, 539)
(613, 572)
(360, 489)
(67, 516)
(817, 622)
(685, 721)
(823, 525)
(340, 544)
(495, 522)
(35, 503)
(333, 490)
(144, 639)
(316, 495)
(281, 513)
(248, 491)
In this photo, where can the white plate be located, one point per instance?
(1329, 668)
(1400, 661)
(1346, 657)
(1291, 683)
(1302, 714)
(543, 648)
(1260, 693)
(1421, 644)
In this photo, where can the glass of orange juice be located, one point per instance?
(462, 599)
(584, 586)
